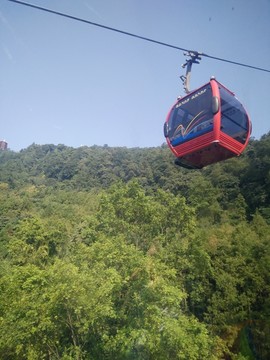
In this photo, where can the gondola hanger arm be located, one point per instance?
(194, 58)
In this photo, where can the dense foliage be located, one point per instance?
(116, 253)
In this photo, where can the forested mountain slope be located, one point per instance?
(116, 253)
(99, 167)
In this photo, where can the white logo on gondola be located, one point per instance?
(190, 98)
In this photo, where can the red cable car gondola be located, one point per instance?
(206, 126)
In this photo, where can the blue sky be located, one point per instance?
(66, 82)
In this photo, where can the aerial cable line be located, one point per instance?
(134, 35)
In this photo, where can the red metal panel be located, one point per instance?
(231, 144)
(206, 156)
(194, 144)
(217, 116)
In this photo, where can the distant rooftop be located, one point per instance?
(3, 145)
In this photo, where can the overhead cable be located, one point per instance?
(133, 35)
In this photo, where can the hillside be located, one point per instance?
(116, 253)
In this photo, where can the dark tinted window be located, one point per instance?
(191, 116)
(234, 120)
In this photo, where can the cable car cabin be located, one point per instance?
(206, 126)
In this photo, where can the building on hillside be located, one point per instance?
(3, 145)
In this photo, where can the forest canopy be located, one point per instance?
(116, 253)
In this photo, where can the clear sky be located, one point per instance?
(67, 82)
